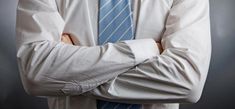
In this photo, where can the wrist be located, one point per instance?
(143, 49)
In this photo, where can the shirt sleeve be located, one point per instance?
(179, 73)
(50, 67)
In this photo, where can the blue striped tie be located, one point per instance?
(115, 21)
(115, 24)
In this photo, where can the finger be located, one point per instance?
(160, 47)
(67, 39)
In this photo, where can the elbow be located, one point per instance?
(45, 87)
(29, 75)
(195, 80)
(34, 87)
(194, 95)
(194, 90)
(33, 75)
(31, 89)
(41, 87)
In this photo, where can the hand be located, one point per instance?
(66, 38)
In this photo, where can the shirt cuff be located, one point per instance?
(143, 49)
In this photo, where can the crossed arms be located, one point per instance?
(51, 66)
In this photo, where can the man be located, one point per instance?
(62, 56)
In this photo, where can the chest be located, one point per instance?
(81, 18)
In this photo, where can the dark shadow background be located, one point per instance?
(219, 92)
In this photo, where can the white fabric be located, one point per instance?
(71, 76)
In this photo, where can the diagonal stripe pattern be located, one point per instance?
(115, 21)
(115, 24)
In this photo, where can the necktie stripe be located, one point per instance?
(102, 5)
(123, 25)
(122, 36)
(112, 34)
(102, 17)
(109, 31)
(109, 7)
(114, 19)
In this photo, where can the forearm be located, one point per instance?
(54, 67)
(156, 81)
(50, 67)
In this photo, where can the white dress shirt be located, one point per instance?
(134, 71)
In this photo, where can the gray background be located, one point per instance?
(219, 90)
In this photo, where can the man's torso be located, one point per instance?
(81, 18)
